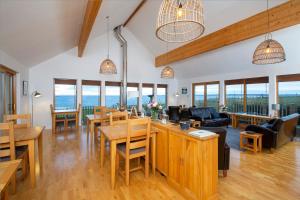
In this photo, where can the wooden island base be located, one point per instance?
(189, 163)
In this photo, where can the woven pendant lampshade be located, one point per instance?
(167, 73)
(107, 66)
(180, 20)
(268, 52)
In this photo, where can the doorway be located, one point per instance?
(7, 92)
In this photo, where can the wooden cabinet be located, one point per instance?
(193, 165)
(162, 148)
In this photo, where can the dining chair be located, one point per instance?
(20, 120)
(136, 146)
(118, 117)
(8, 150)
(71, 119)
(60, 120)
(99, 110)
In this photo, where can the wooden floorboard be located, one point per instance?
(72, 171)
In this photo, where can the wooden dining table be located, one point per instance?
(117, 134)
(93, 119)
(7, 170)
(28, 137)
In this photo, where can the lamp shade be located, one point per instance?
(180, 20)
(167, 73)
(36, 94)
(108, 67)
(133, 94)
(268, 52)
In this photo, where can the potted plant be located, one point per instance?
(154, 108)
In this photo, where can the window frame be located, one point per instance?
(165, 86)
(205, 91)
(63, 81)
(113, 83)
(136, 85)
(244, 82)
(91, 83)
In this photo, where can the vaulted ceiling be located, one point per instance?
(34, 31)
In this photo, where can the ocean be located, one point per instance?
(68, 102)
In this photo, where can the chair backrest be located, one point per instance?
(118, 117)
(25, 120)
(7, 141)
(79, 108)
(138, 128)
(99, 110)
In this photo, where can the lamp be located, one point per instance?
(180, 20)
(269, 51)
(275, 108)
(108, 66)
(35, 94)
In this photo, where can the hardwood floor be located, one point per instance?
(72, 171)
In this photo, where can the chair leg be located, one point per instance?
(24, 169)
(147, 165)
(225, 173)
(127, 168)
(117, 161)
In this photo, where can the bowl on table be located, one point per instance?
(185, 125)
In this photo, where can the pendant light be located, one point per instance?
(167, 72)
(269, 51)
(180, 20)
(108, 66)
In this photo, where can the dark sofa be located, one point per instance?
(209, 117)
(276, 132)
(223, 148)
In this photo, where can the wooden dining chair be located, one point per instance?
(136, 146)
(20, 120)
(59, 120)
(71, 119)
(8, 150)
(118, 117)
(98, 110)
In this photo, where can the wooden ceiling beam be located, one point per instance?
(91, 12)
(281, 16)
(134, 12)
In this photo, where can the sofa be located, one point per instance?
(223, 148)
(209, 117)
(276, 132)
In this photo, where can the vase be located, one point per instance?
(154, 114)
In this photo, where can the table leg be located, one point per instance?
(31, 162)
(260, 144)
(113, 152)
(153, 149)
(40, 147)
(255, 145)
(241, 141)
(92, 127)
(102, 149)
(53, 123)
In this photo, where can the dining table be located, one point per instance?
(117, 134)
(29, 137)
(7, 171)
(94, 119)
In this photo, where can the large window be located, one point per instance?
(65, 94)
(206, 94)
(162, 95)
(132, 95)
(91, 96)
(147, 96)
(248, 95)
(289, 94)
(112, 94)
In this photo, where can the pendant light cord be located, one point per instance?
(107, 33)
(269, 35)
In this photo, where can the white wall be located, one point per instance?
(68, 65)
(22, 75)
